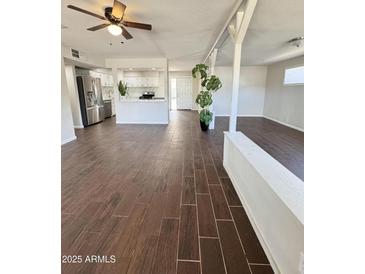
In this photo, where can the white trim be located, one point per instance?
(68, 140)
(78, 126)
(142, 123)
(285, 124)
(249, 115)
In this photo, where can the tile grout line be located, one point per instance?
(207, 237)
(178, 231)
(259, 264)
(158, 241)
(197, 218)
(183, 260)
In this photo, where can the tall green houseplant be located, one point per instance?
(209, 84)
(123, 89)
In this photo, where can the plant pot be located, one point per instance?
(203, 126)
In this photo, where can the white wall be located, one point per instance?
(67, 129)
(251, 91)
(85, 60)
(73, 96)
(285, 104)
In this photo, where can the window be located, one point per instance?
(294, 76)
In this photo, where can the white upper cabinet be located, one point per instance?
(139, 81)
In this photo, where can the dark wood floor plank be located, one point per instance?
(254, 251)
(261, 269)
(230, 192)
(188, 267)
(165, 260)
(172, 208)
(234, 256)
(211, 257)
(220, 206)
(152, 220)
(212, 174)
(76, 227)
(219, 167)
(188, 192)
(201, 181)
(198, 162)
(188, 237)
(128, 239)
(143, 256)
(206, 221)
(128, 199)
(188, 168)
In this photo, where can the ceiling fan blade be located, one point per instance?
(99, 27)
(118, 9)
(126, 34)
(137, 25)
(86, 12)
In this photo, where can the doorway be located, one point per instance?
(181, 93)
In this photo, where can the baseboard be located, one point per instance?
(78, 126)
(141, 123)
(284, 124)
(68, 140)
(249, 115)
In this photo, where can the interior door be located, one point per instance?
(184, 91)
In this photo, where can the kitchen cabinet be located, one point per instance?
(141, 82)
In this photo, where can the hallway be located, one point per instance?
(158, 198)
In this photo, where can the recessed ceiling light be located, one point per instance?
(130, 69)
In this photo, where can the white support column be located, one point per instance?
(235, 86)
(213, 58)
(238, 33)
(116, 92)
(167, 89)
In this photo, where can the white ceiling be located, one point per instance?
(274, 22)
(182, 30)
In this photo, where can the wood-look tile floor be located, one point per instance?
(157, 198)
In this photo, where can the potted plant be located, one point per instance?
(123, 89)
(204, 99)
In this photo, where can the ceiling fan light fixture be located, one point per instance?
(115, 30)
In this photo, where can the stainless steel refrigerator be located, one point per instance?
(91, 100)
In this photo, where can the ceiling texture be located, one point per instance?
(184, 31)
(273, 23)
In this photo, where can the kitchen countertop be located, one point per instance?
(137, 100)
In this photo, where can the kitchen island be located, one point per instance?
(142, 111)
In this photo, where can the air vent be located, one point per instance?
(75, 53)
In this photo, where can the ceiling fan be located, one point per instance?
(116, 24)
